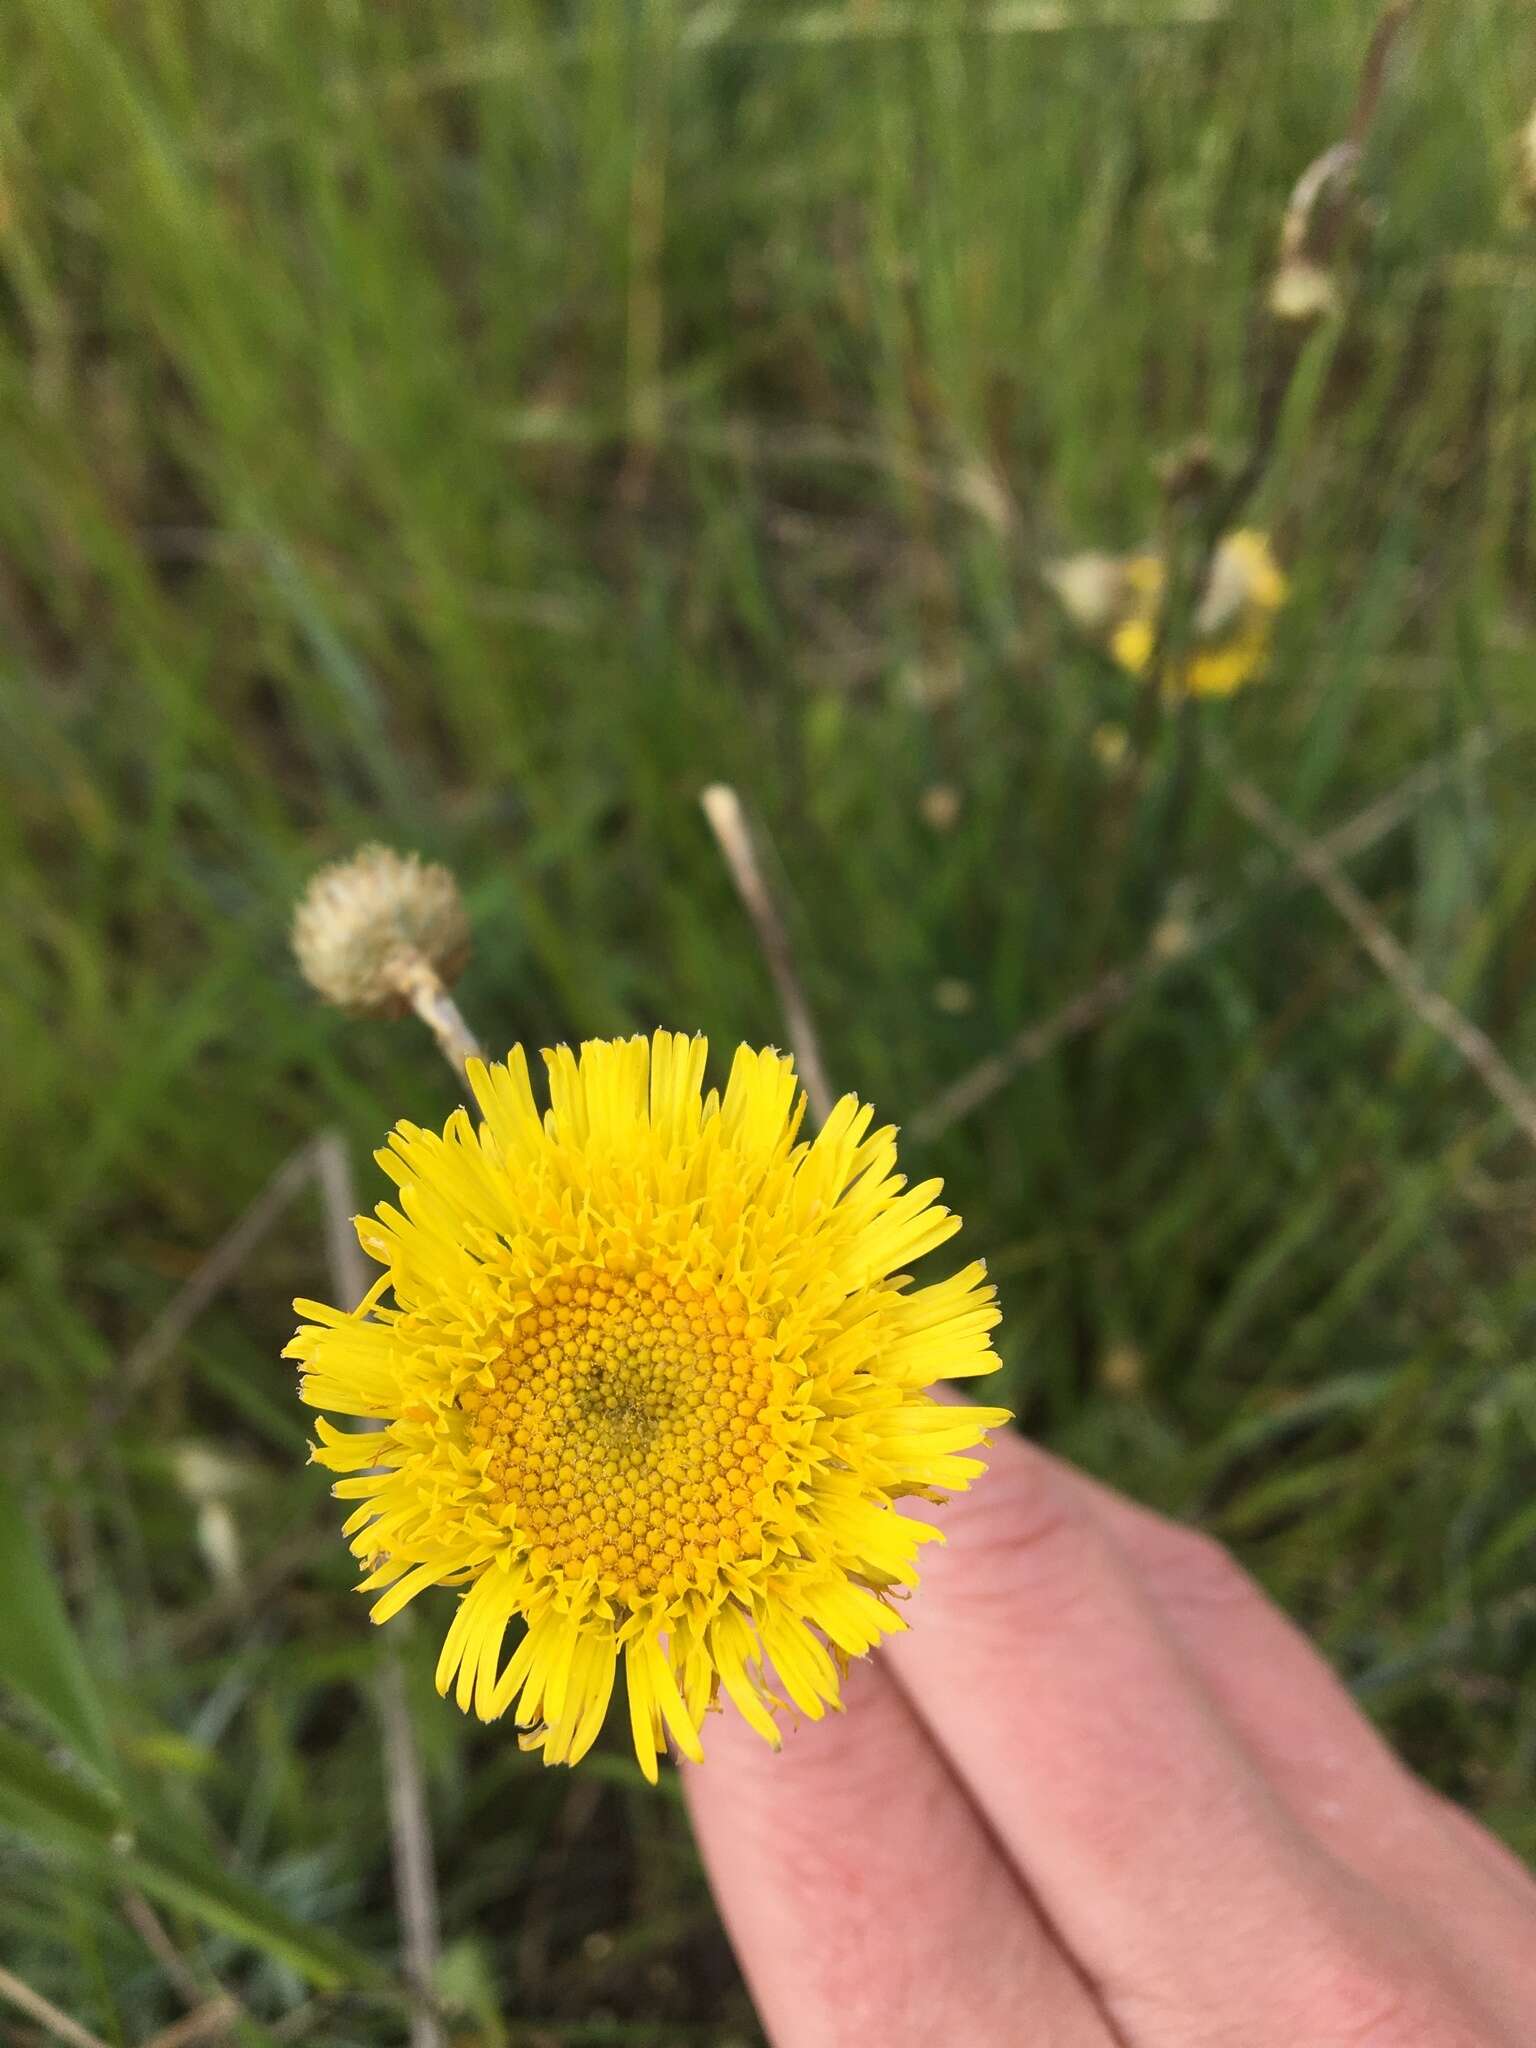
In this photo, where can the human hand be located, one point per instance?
(1103, 1795)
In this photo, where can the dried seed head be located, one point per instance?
(939, 806)
(1303, 292)
(361, 921)
(1122, 1369)
(1304, 288)
(956, 998)
(1172, 938)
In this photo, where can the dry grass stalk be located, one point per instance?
(215, 2020)
(47, 2015)
(207, 1282)
(147, 1924)
(1433, 1009)
(410, 1835)
(410, 1826)
(728, 821)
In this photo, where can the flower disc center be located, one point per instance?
(630, 1429)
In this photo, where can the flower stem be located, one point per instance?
(414, 976)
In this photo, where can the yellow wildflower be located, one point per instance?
(1233, 622)
(652, 1380)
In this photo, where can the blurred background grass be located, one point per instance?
(477, 425)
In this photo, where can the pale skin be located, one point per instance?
(1102, 1794)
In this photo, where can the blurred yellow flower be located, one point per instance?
(652, 1380)
(1233, 622)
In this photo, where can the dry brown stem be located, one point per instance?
(410, 1826)
(213, 2021)
(47, 2015)
(728, 822)
(1312, 859)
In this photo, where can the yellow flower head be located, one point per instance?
(1233, 623)
(652, 1380)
